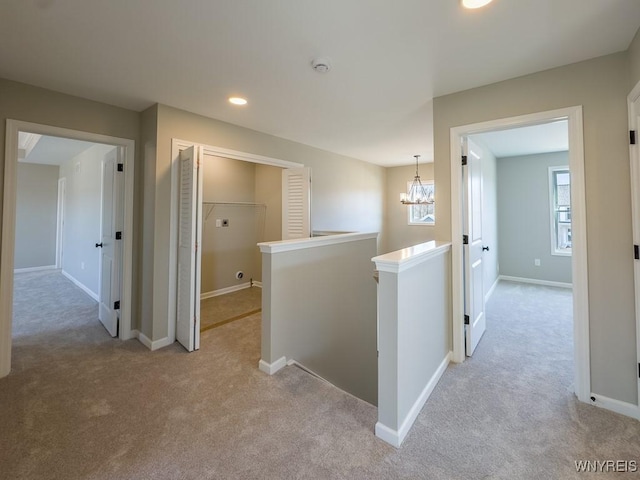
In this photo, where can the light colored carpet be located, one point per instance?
(227, 308)
(87, 406)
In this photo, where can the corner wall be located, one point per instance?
(37, 105)
(601, 86)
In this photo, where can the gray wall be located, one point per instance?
(36, 215)
(398, 233)
(634, 58)
(269, 191)
(601, 86)
(524, 223)
(83, 198)
(347, 194)
(301, 319)
(23, 102)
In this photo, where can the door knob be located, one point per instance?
(485, 249)
(99, 245)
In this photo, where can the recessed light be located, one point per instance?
(238, 100)
(475, 3)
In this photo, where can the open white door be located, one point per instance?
(474, 318)
(296, 203)
(110, 248)
(189, 238)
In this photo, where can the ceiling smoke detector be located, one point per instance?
(321, 65)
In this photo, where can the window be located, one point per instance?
(423, 214)
(560, 192)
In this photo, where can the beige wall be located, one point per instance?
(36, 215)
(227, 250)
(601, 86)
(347, 194)
(634, 58)
(23, 102)
(398, 233)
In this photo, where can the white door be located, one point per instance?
(189, 255)
(296, 203)
(110, 245)
(475, 323)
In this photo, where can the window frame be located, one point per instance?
(428, 184)
(554, 210)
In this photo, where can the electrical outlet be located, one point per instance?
(536, 262)
(81, 265)
(225, 222)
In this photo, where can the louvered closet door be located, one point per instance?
(296, 203)
(189, 239)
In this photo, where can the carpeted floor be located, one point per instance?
(230, 307)
(79, 404)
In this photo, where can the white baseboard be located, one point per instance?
(396, 437)
(623, 408)
(271, 368)
(34, 269)
(256, 283)
(535, 281)
(82, 286)
(223, 291)
(492, 289)
(150, 344)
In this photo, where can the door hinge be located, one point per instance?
(636, 252)
(466, 319)
(116, 305)
(121, 167)
(464, 160)
(118, 235)
(196, 247)
(465, 239)
(632, 137)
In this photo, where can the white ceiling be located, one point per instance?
(388, 58)
(55, 150)
(513, 142)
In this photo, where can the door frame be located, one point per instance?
(176, 146)
(582, 372)
(7, 250)
(634, 159)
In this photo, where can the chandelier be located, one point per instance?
(417, 194)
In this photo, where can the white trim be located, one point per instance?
(313, 242)
(582, 378)
(176, 146)
(623, 408)
(492, 289)
(151, 345)
(634, 160)
(81, 285)
(34, 269)
(223, 291)
(7, 252)
(256, 283)
(401, 260)
(535, 281)
(271, 368)
(396, 438)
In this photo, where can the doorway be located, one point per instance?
(222, 202)
(573, 116)
(123, 150)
